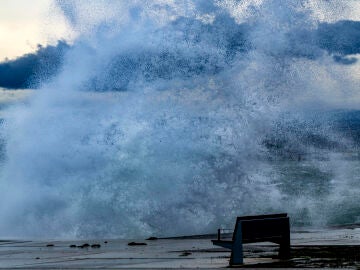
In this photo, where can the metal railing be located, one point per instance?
(227, 232)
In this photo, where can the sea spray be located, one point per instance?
(172, 118)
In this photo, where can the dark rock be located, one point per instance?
(72, 246)
(136, 244)
(105, 242)
(96, 246)
(152, 238)
(50, 245)
(186, 253)
(86, 245)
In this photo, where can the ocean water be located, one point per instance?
(174, 117)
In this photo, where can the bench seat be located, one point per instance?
(253, 229)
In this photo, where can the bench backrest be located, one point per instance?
(265, 228)
(262, 227)
(262, 216)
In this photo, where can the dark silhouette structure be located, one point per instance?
(251, 229)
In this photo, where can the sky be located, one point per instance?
(25, 24)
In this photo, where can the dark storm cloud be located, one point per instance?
(30, 69)
(342, 37)
(212, 48)
(229, 40)
(340, 40)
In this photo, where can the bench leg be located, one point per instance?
(284, 251)
(237, 248)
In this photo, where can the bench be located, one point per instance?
(252, 229)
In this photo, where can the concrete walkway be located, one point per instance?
(309, 250)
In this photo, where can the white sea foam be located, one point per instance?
(166, 119)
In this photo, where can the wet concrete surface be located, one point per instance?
(326, 249)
